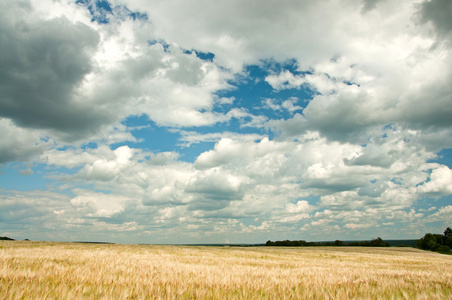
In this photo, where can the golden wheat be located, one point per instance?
(41, 270)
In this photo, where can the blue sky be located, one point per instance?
(137, 121)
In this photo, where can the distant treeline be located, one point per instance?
(4, 238)
(437, 242)
(378, 242)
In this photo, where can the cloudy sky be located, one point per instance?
(139, 121)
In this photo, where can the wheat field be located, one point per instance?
(44, 270)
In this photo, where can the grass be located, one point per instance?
(41, 270)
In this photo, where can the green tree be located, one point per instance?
(378, 242)
(338, 243)
(429, 242)
(269, 243)
(448, 237)
(448, 232)
(436, 242)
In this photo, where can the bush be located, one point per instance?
(443, 249)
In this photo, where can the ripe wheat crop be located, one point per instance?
(42, 270)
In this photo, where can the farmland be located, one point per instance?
(110, 271)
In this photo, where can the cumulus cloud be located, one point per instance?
(356, 94)
(18, 144)
(43, 61)
(285, 80)
(444, 212)
(189, 138)
(74, 78)
(99, 205)
(357, 226)
(105, 170)
(242, 33)
(440, 183)
(300, 206)
(214, 189)
(341, 139)
(24, 213)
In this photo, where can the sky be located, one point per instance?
(167, 122)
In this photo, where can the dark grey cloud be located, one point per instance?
(214, 190)
(379, 160)
(42, 63)
(372, 190)
(439, 13)
(431, 107)
(331, 186)
(369, 5)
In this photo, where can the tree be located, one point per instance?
(338, 243)
(269, 243)
(448, 237)
(429, 242)
(378, 242)
(447, 233)
(436, 242)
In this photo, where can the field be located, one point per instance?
(43, 270)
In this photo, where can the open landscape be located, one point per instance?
(50, 270)
(229, 149)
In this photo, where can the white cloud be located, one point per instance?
(112, 72)
(106, 169)
(33, 210)
(72, 158)
(289, 105)
(251, 228)
(189, 138)
(285, 80)
(242, 33)
(440, 183)
(100, 205)
(18, 144)
(300, 206)
(357, 226)
(445, 210)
